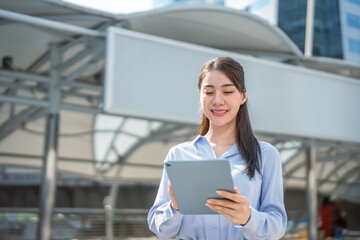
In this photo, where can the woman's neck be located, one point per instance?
(221, 136)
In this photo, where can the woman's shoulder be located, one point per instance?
(182, 148)
(268, 150)
(266, 146)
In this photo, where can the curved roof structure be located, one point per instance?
(216, 27)
(24, 97)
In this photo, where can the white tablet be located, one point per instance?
(195, 181)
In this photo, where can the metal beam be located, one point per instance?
(98, 88)
(18, 17)
(341, 164)
(336, 193)
(79, 160)
(24, 101)
(76, 58)
(27, 115)
(13, 85)
(97, 52)
(25, 75)
(80, 108)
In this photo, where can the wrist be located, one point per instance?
(246, 221)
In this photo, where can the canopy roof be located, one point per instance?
(96, 145)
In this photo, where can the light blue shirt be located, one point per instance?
(264, 192)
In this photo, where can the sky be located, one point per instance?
(129, 6)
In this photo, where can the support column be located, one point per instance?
(109, 215)
(48, 184)
(311, 187)
(309, 28)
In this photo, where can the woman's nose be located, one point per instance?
(218, 99)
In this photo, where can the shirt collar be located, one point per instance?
(197, 139)
(232, 150)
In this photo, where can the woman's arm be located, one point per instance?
(163, 220)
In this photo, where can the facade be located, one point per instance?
(336, 25)
(350, 26)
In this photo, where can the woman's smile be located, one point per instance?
(219, 112)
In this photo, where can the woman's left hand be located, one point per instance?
(236, 208)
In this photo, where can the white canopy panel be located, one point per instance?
(156, 77)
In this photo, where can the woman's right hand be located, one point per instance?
(172, 197)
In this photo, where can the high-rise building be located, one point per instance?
(336, 24)
(350, 29)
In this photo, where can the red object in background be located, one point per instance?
(329, 216)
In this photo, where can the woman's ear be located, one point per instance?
(243, 97)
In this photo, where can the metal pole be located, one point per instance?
(48, 185)
(309, 30)
(109, 218)
(36, 21)
(311, 193)
(48, 188)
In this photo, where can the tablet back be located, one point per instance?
(194, 181)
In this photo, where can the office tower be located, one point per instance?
(336, 24)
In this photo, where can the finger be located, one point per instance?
(171, 193)
(236, 191)
(172, 197)
(223, 203)
(231, 217)
(230, 214)
(236, 197)
(227, 212)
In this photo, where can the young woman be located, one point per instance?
(256, 209)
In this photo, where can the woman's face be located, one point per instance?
(220, 99)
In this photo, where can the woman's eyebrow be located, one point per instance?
(228, 85)
(225, 85)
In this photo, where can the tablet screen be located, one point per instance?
(195, 181)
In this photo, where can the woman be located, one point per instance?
(256, 208)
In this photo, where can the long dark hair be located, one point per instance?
(247, 143)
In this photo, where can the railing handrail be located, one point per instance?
(131, 211)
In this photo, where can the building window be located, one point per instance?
(354, 45)
(354, 1)
(352, 20)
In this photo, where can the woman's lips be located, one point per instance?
(219, 112)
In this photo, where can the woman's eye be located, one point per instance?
(228, 92)
(209, 93)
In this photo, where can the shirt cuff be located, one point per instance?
(253, 222)
(171, 213)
